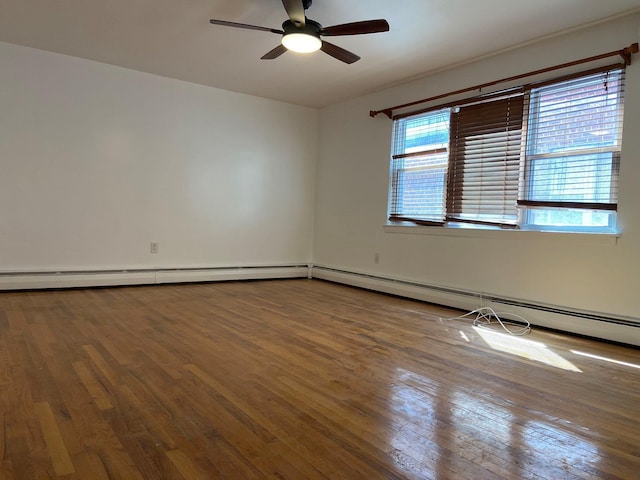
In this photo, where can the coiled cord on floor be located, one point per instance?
(486, 316)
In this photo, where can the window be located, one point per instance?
(542, 156)
(419, 168)
(573, 152)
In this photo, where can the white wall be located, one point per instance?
(579, 273)
(97, 161)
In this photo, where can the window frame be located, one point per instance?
(524, 218)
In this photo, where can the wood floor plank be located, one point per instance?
(134, 404)
(92, 385)
(102, 365)
(88, 461)
(57, 449)
(5, 364)
(185, 466)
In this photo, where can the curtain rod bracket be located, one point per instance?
(387, 112)
(627, 52)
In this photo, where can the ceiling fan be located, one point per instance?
(300, 34)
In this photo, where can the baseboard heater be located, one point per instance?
(103, 278)
(593, 324)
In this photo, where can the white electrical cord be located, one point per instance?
(484, 318)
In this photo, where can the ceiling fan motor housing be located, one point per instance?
(309, 28)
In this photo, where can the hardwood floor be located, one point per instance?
(300, 379)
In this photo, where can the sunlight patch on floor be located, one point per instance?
(606, 359)
(522, 347)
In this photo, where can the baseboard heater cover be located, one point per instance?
(222, 274)
(439, 295)
(46, 280)
(593, 324)
(102, 278)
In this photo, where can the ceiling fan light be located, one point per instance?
(301, 42)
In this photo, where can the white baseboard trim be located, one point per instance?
(105, 278)
(592, 324)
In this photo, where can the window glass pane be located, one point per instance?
(427, 132)
(578, 178)
(570, 218)
(581, 113)
(422, 185)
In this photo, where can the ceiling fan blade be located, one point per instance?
(357, 28)
(244, 25)
(275, 53)
(338, 52)
(295, 10)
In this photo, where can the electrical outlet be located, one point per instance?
(376, 258)
(154, 247)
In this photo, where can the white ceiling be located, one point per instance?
(173, 38)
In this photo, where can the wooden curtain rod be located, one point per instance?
(625, 53)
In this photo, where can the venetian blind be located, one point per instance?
(573, 144)
(484, 168)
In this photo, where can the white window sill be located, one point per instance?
(488, 232)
